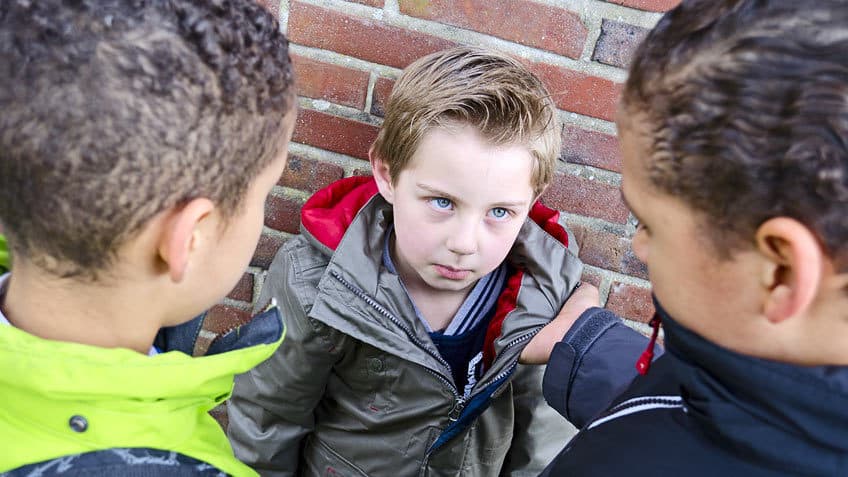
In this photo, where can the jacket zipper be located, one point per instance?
(459, 401)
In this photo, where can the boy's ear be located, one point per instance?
(181, 236)
(382, 175)
(793, 267)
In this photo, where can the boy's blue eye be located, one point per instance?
(499, 213)
(441, 203)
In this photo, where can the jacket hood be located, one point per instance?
(328, 213)
(126, 399)
(762, 407)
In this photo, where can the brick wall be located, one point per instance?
(347, 55)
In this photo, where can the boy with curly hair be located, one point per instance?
(734, 132)
(138, 141)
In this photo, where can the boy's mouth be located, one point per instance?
(452, 273)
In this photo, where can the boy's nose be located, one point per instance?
(463, 240)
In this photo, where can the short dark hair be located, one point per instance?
(746, 102)
(114, 110)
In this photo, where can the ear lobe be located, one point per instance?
(181, 236)
(382, 175)
(793, 267)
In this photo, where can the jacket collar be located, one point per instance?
(784, 414)
(125, 398)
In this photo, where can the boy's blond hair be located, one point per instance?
(494, 93)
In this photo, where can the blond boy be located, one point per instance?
(411, 294)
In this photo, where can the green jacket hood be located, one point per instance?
(117, 398)
(5, 261)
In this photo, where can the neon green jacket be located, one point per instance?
(4, 255)
(128, 400)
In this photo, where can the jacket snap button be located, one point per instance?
(375, 365)
(78, 423)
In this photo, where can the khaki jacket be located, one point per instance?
(359, 389)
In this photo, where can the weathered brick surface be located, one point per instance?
(592, 277)
(359, 37)
(308, 174)
(373, 3)
(608, 251)
(554, 29)
(283, 214)
(586, 197)
(648, 5)
(266, 249)
(273, 6)
(243, 290)
(579, 92)
(631, 301)
(382, 91)
(617, 43)
(337, 84)
(333, 133)
(590, 148)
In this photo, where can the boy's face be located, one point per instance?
(458, 208)
(715, 298)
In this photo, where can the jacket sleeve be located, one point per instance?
(592, 365)
(539, 431)
(271, 410)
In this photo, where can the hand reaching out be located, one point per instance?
(538, 351)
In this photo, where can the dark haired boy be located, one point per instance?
(734, 130)
(138, 141)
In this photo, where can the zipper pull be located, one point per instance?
(644, 362)
(458, 406)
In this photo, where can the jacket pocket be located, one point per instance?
(321, 460)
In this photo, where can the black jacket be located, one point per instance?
(702, 410)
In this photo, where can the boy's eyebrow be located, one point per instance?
(441, 193)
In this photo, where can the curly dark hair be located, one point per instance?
(114, 110)
(747, 106)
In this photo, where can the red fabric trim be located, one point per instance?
(329, 212)
(548, 219)
(506, 303)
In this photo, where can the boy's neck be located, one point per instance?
(438, 306)
(80, 312)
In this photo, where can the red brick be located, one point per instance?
(265, 251)
(219, 412)
(333, 133)
(631, 302)
(578, 92)
(522, 21)
(243, 290)
(359, 37)
(586, 197)
(283, 214)
(608, 251)
(220, 319)
(590, 148)
(272, 6)
(617, 43)
(334, 83)
(649, 5)
(373, 3)
(309, 175)
(591, 277)
(382, 91)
